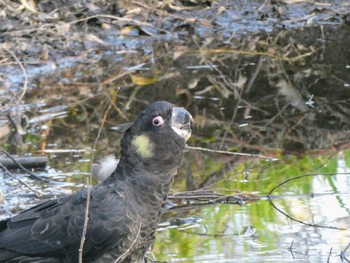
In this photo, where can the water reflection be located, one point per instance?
(253, 232)
(271, 236)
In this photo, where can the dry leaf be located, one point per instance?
(105, 26)
(142, 80)
(4, 130)
(271, 51)
(179, 51)
(126, 30)
(179, 8)
(136, 11)
(240, 82)
(29, 5)
(94, 38)
(205, 22)
(62, 28)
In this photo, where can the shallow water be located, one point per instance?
(316, 229)
(252, 232)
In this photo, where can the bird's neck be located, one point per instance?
(143, 185)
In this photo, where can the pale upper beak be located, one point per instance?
(182, 122)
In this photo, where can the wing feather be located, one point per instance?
(54, 227)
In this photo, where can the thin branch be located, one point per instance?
(254, 75)
(36, 192)
(290, 249)
(230, 153)
(202, 198)
(89, 179)
(17, 107)
(343, 254)
(269, 198)
(25, 85)
(26, 161)
(139, 23)
(132, 244)
(23, 168)
(253, 53)
(86, 220)
(329, 255)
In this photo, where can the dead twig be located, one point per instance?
(23, 168)
(25, 84)
(242, 52)
(343, 256)
(28, 6)
(89, 179)
(270, 198)
(15, 111)
(26, 161)
(139, 23)
(254, 53)
(86, 220)
(290, 249)
(121, 257)
(231, 153)
(200, 198)
(329, 255)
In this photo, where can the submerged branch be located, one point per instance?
(343, 256)
(20, 166)
(186, 201)
(37, 193)
(25, 161)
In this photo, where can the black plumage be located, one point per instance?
(124, 209)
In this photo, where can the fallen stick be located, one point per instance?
(27, 162)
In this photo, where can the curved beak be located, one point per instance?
(182, 122)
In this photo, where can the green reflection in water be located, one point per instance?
(256, 230)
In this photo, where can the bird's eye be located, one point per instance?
(157, 121)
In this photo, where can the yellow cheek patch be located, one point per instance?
(143, 146)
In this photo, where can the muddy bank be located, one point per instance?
(51, 36)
